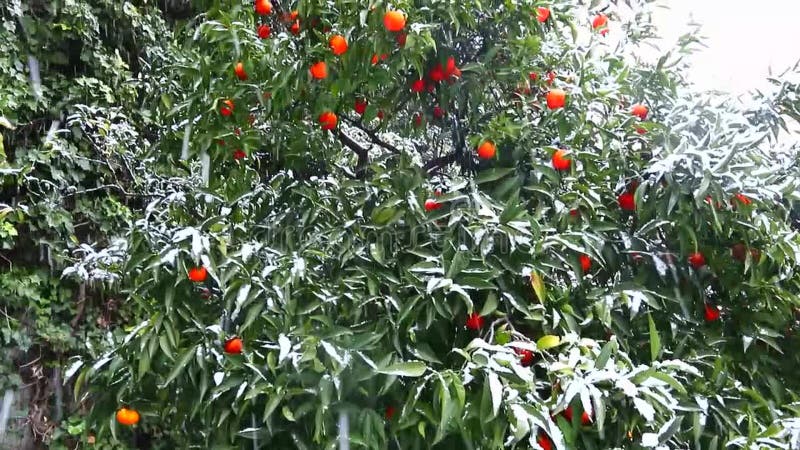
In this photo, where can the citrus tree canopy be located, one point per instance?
(409, 225)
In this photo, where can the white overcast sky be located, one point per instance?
(744, 39)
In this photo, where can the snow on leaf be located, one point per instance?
(285, 347)
(645, 409)
(496, 388)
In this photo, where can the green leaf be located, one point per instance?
(605, 354)
(669, 379)
(490, 305)
(493, 174)
(274, 400)
(538, 286)
(547, 342)
(382, 216)
(180, 364)
(446, 406)
(655, 339)
(405, 369)
(496, 392)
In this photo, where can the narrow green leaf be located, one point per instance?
(496, 391)
(405, 369)
(181, 364)
(655, 339)
(547, 342)
(495, 174)
(538, 286)
(605, 354)
(490, 305)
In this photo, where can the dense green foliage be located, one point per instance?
(350, 296)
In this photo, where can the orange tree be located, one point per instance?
(475, 224)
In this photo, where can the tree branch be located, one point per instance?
(363, 153)
(374, 136)
(440, 162)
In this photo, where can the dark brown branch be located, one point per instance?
(374, 136)
(363, 153)
(442, 161)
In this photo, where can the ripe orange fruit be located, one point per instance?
(556, 98)
(599, 21)
(544, 442)
(525, 356)
(455, 75)
(227, 108)
(198, 274)
(239, 71)
(233, 346)
(338, 44)
(263, 7)
(295, 28)
(561, 161)
(432, 205)
(711, 313)
(586, 263)
(450, 67)
(627, 201)
(418, 86)
(328, 120)
(360, 106)
(585, 418)
(542, 14)
(741, 198)
(639, 111)
(697, 260)
(486, 150)
(436, 73)
(264, 31)
(127, 416)
(551, 76)
(374, 60)
(394, 20)
(474, 322)
(319, 70)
